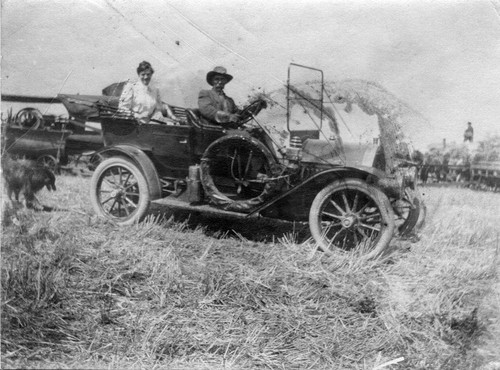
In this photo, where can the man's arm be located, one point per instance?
(206, 105)
(209, 110)
(234, 111)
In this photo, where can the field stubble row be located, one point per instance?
(80, 292)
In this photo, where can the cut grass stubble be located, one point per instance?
(79, 291)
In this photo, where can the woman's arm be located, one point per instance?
(167, 111)
(126, 98)
(164, 108)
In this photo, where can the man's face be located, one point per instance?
(219, 82)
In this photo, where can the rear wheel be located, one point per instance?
(351, 215)
(119, 191)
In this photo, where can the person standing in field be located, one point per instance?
(214, 104)
(143, 100)
(469, 133)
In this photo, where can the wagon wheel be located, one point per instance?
(119, 191)
(89, 160)
(350, 215)
(29, 118)
(237, 173)
(407, 212)
(49, 162)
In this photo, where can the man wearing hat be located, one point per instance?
(214, 104)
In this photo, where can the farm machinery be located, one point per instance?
(47, 139)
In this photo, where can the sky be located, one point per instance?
(440, 57)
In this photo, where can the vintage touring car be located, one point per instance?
(345, 194)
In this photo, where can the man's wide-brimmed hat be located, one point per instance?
(218, 71)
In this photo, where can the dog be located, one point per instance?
(26, 177)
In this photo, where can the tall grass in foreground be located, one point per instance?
(80, 292)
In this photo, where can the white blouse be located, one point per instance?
(142, 100)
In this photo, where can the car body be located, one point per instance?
(343, 191)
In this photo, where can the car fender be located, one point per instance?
(138, 157)
(321, 179)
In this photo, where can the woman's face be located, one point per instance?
(145, 77)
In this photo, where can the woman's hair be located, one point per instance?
(145, 66)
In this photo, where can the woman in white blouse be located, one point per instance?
(143, 100)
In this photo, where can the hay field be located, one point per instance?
(78, 292)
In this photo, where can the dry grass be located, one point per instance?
(80, 292)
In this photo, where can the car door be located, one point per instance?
(169, 146)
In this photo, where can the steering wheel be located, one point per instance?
(251, 110)
(29, 118)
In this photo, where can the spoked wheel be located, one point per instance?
(94, 161)
(407, 212)
(236, 173)
(351, 215)
(29, 118)
(49, 162)
(119, 191)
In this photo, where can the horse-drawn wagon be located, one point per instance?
(485, 175)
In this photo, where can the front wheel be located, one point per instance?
(351, 215)
(119, 191)
(408, 211)
(422, 215)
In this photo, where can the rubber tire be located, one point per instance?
(218, 198)
(381, 201)
(144, 196)
(410, 224)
